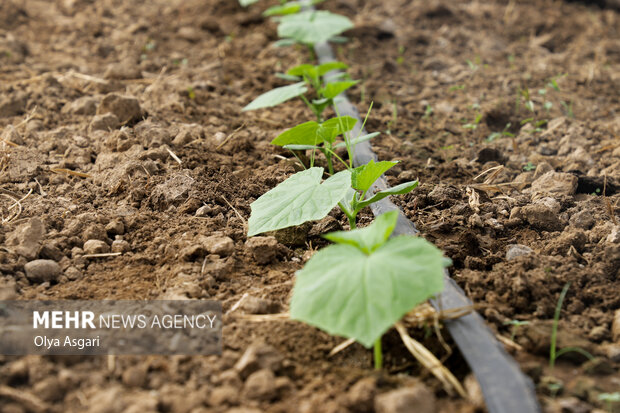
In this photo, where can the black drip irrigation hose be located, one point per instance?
(504, 386)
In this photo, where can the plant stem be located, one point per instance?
(351, 221)
(378, 355)
(330, 165)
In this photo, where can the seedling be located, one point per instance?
(322, 137)
(609, 399)
(474, 125)
(505, 132)
(362, 285)
(306, 77)
(515, 327)
(529, 167)
(303, 197)
(553, 353)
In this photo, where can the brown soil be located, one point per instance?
(193, 65)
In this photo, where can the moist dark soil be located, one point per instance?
(122, 124)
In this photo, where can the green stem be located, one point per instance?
(378, 355)
(351, 221)
(330, 165)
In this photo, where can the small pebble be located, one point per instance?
(42, 270)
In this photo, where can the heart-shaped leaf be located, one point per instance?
(310, 27)
(300, 198)
(350, 293)
(364, 176)
(370, 238)
(333, 89)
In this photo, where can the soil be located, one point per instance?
(167, 180)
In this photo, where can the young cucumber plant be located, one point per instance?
(306, 77)
(362, 285)
(322, 137)
(303, 197)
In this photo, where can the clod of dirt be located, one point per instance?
(51, 251)
(517, 250)
(327, 224)
(263, 249)
(402, 400)
(542, 216)
(598, 367)
(490, 155)
(13, 105)
(255, 305)
(49, 389)
(127, 69)
(8, 289)
(27, 237)
(615, 327)
(536, 338)
(258, 356)
(10, 134)
(42, 270)
(614, 236)
(120, 245)
(173, 191)
(260, 385)
(152, 135)
(472, 387)
(224, 395)
(611, 351)
(95, 246)
(126, 108)
(105, 122)
(582, 219)
(554, 184)
(204, 211)
(86, 105)
(134, 376)
(115, 227)
(188, 133)
(94, 231)
(361, 395)
(219, 245)
(444, 196)
(293, 236)
(569, 238)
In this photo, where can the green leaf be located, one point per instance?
(300, 147)
(300, 198)
(364, 176)
(310, 27)
(246, 3)
(335, 127)
(304, 134)
(283, 43)
(286, 76)
(349, 293)
(346, 203)
(370, 238)
(397, 190)
(283, 9)
(303, 70)
(313, 133)
(331, 90)
(329, 66)
(357, 140)
(276, 96)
